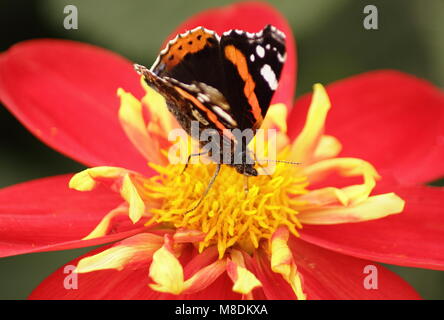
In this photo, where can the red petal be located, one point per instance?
(413, 238)
(45, 215)
(125, 284)
(66, 94)
(251, 17)
(329, 275)
(274, 287)
(391, 119)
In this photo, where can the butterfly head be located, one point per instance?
(246, 169)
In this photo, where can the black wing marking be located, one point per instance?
(265, 54)
(193, 56)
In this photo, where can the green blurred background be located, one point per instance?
(332, 44)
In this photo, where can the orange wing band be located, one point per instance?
(238, 59)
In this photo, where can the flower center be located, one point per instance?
(230, 215)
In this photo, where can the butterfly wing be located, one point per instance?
(192, 57)
(224, 83)
(253, 62)
(192, 65)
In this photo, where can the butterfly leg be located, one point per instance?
(246, 185)
(213, 178)
(189, 158)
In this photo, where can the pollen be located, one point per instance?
(230, 215)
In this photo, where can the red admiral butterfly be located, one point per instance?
(223, 82)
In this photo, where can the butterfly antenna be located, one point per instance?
(279, 161)
(213, 178)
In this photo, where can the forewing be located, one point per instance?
(253, 62)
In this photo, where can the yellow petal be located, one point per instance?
(162, 122)
(82, 181)
(86, 179)
(360, 192)
(276, 117)
(350, 195)
(131, 119)
(244, 280)
(167, 272)
(304, 147)
(130, 115)
(184, 236)
(328, 147)
(204, 277)
(264, 140)
(132, 250)
(374, 207)
(102, 228)
(323, 197)
(281, 256)
(347, 167)
(132, 197)
(282, 141)
(282, 261)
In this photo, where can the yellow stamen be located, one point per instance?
(229, 216)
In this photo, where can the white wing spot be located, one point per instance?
(268, 46)
(252, 58)
(203, 97)
(224, 115)
(260, 51)
(269, 76)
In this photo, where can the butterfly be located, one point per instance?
(223, 83)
